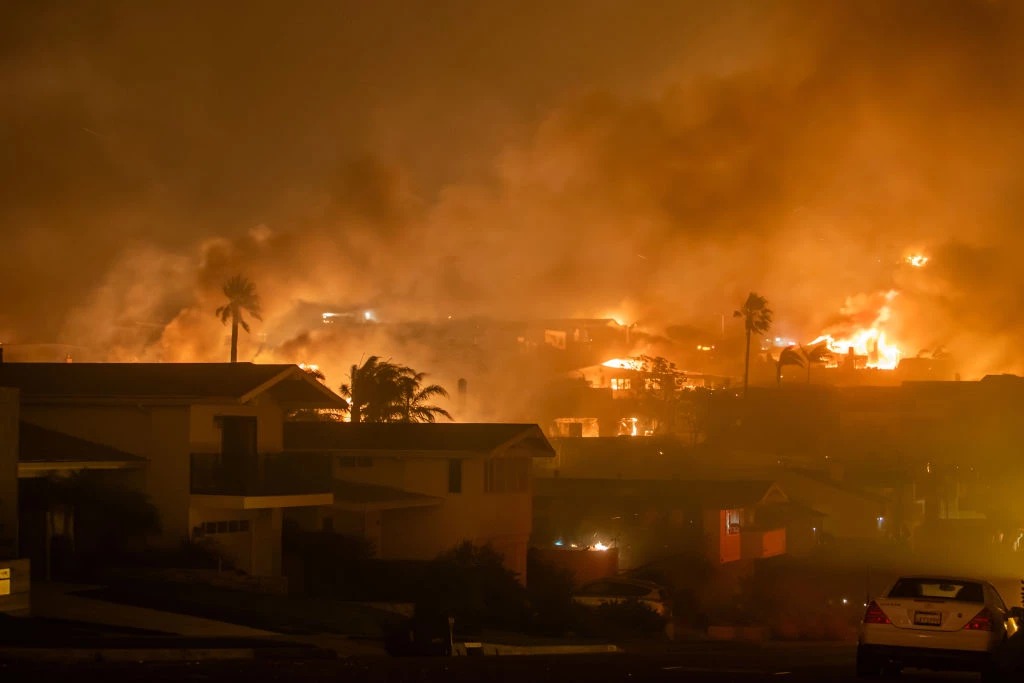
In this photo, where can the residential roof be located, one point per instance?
(165, 382)
(38, 444)
(359, 497)
(376, 438)
(709, 494)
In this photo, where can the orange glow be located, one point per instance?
(867, 341)
(624, 364)
(917, 260)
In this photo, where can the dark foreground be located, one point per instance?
(694, 662)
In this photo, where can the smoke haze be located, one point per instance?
(654, 162)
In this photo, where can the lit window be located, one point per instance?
(620, 384)
(732, 522)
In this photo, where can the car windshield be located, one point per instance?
(938, 589)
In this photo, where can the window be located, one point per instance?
(230, 527)
(938, 589)
(732, 522)
(454, 476)
(620, 384)
(238, 435)
(507, 475)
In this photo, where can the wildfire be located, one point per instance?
(867, 341)
(917, 260)
(624, 364)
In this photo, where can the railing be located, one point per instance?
(276, 474)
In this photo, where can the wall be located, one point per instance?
(8, 473)
(727, 547)
(502, 519)
(158, 433)
(205, 433)
(236, 546)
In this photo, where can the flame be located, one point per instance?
(917, 260)
(624, 364)
(867, 341)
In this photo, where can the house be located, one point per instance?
(416, 490)
(14, 570)
(648, 519)
(203, 440)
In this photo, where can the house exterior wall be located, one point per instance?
(502, 519)
(8, 473)
(167, 436)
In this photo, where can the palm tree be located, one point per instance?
(789, 356)
(414, 406)
(757, 319)
(241, 294)
(381, 391)
(816, 355)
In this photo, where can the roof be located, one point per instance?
(709, 494)
(165, 382)
(38, 444)
(359, 497)
(423, 438)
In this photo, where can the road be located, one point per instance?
(685, 662)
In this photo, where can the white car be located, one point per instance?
(936, 623)
(617, 589)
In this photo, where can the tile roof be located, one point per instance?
(363, 497)
(718, 494)
(184, 382)
(457, 437)
(38, 444)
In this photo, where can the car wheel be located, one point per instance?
(868, 666)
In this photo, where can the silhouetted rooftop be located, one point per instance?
(168, 382)
(364, 497)
(709, 494)
(479, 438)
(38, 444)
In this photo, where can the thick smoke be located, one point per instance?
(795, 149)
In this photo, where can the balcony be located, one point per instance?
(761, 543)
(260, 481)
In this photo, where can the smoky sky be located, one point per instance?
(652, 160)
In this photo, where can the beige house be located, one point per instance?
(204, 441)
(416, 490)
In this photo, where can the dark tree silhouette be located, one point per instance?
(757, 319)
(381, 391)
(241, 295)
(789, 356)
(816, 355)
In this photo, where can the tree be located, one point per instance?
(415, 397)
(757, 319)
(816, 355)
(789, 356)
(381, 391)
(241, 295)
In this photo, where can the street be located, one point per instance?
(687, 662)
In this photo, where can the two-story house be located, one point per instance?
(210, 437)
(416, 490)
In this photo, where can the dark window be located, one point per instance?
(238, 435)
(938, 589)
(233, 526)
(222, 527)
(243, 525)
(210, 527)
(454, 476)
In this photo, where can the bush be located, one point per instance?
(472, 584)
(620, 620)
(330, 564)
(549, 593)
